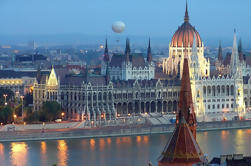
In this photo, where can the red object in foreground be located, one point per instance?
(182, 149)
(185, 100)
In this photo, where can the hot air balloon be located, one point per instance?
(118, 27)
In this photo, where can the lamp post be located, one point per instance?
(22, 99)
(5, 95)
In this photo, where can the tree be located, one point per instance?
(6, 114)
(50, 111)
(9, 93)
(28, 99)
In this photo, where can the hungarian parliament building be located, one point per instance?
(128, 85)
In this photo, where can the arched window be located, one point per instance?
(213, 90)
(209, 90)
(218, 89)
(223, 89)
(227, 90)
(232, 90)
(204, 90)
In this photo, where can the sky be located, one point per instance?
(213, 19)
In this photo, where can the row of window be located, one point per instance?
(229, 90)
(218, 100)
(222, 106)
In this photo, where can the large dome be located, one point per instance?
(185, 33)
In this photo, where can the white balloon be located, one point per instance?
(118, 26)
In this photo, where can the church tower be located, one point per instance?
(149, 52)
(236, 72)
(182, 148)
(106, 60)
(220, 57)
(127, 51)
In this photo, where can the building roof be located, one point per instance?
(227, 59)
(185, 101)
(137, 60)
(117, 60)
(185, 34)
(19, 74)
(182, 148)
(243, 161)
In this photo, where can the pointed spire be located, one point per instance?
(106, 54)
(234, 56)
(127, 50)
(182, 148)
(241, 57)
(149, 52)
(52, 81)
(107, 75)
(220, 58)
(186, 18)
(185, 101)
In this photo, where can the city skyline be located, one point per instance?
(157, 20)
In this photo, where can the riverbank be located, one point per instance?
(51, 134)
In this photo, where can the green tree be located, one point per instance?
(9, 93)
(50, 111)
(6, 114)
(28, 99)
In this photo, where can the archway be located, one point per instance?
(159, 106)
(153, 107)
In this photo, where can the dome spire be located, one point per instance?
(186, 18)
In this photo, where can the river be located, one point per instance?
(116, 151)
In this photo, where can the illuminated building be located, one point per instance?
(182, 45)
(93, 97)
(129, 66)
(20, 82)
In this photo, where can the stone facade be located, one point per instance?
(128, 66)
(95, 101)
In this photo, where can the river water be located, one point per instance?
(116, 151)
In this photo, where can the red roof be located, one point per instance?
(182, 149)
(185, 100)
(184, 35)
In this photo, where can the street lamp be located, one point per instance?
(5, 95)
(62, 114)
(14, 116)
(22, 99)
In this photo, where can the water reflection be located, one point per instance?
(127, 140)
(118, 140)
(146, 139)
(224, 134)
(138, 139)
(18, 153)
(1, 152)
(101, 144)
(92, 144)
(43, 147)
(108, 141)
(134, 150)
(239, 141)
(62, 153)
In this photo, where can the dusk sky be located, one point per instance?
(212, 18)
